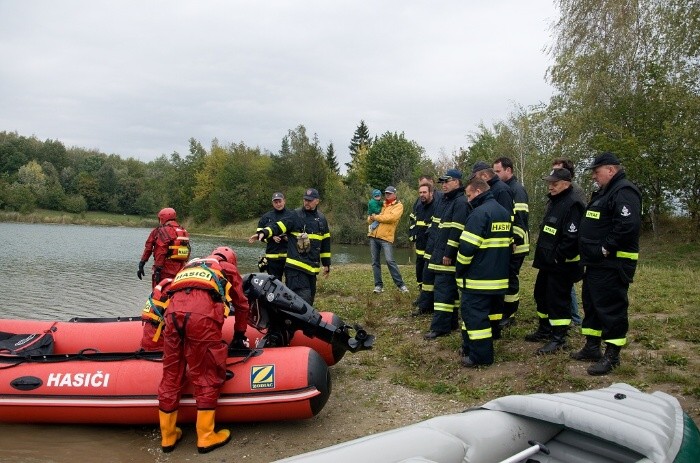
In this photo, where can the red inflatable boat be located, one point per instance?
(265, 385)
(94, 370)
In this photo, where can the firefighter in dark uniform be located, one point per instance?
(503, 167)
(504, 195)
(426, 298)
(609, 246)
(451, 215)
(482, 271)
(557, 259)
(308, 246)
(276, 247)
(419, 221)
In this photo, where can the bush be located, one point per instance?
(75, 204)
(18, 197)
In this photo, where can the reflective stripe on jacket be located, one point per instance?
(521, 212)
(557, 244)
(484, 248)
(315, 225)
(448, 222)
(612, 220)
(274, 250)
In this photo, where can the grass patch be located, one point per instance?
(662, 354)
(664, 338)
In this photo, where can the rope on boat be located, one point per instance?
(89, 354)
(94, 355)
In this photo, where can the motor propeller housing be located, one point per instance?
(282, 312)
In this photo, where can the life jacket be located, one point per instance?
(179, 246)
(204, 274)
(156, 305)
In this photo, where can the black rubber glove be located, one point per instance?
(240, 341)
(156, 274)
(141, 273)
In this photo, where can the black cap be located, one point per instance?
(480, 165)
(558, 174)
(277, 195)
(311, 194)
(390, 189)
(604, 159)
(449, 175)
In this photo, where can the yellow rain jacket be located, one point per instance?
(388, 220)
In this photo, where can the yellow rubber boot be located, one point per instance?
(207, 439)
(170, 434)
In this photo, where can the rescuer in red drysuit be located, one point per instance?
(201, 295)
(170, 245)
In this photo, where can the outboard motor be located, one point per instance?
(281, 312)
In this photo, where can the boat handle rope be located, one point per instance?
(89, 354)
(244, 359)
(92, 354)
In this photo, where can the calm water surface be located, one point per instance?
(56, 272)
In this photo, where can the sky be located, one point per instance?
(140, 78)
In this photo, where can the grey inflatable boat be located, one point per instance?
(615, 424)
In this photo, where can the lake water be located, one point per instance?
(62, 271)
(56, 272)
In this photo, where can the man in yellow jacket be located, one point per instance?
(382, 238)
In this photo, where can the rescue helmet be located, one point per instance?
(225, 253)
(166, 214)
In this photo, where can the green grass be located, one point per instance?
(663, 352)
(86, 218)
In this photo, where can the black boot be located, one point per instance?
(543, 332)
(590, 351)
(608, 362)
(556, 342)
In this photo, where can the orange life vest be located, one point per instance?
(156, 305)
(179, 249)
(204, 274)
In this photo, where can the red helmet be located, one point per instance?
(225, 253)
(167, 214)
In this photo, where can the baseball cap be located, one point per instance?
(376, 193)
(311, 193)
(479, 165)
(558, 174)
(277, 195)
(449, 175)
(604, 159)
(390, 189)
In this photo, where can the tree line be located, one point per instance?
(217, 185)
(626, 76)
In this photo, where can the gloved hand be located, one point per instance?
(239, 341)
(262, 263)
(141, 273)
(156, 274)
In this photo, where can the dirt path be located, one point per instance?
(355, 408)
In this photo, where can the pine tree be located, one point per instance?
(331, 160)
(361, 141)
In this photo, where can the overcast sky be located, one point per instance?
(140, 78)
